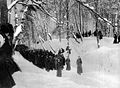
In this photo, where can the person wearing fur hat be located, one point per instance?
(7, 65)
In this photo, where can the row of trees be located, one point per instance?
(109, 9)
(38, 17)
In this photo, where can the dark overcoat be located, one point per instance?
(79, 66)
(6, 80)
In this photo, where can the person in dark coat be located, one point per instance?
(67, 61)
(59, 62)
(119, 39)
(58, 67)
(115, 39)
(79, 65)
(100, 35)
(6, 79)
(68, 67)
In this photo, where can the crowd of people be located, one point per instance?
(89, 33)
(42, 58)
(47, 60)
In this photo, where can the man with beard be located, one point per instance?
(7, 65)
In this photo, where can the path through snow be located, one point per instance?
(100, 66)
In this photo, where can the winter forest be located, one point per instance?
(59, 43)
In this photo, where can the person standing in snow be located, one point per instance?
(68, 67)
(60, 62)
(79, 65)
(119, 38)
(59, 69)
(7, 65)
(115, 39)
(100, 35)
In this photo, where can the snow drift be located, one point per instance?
(100, 67)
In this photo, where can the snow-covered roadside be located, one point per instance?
(33, 77)
(101, 68)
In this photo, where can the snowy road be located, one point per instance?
(100, 66)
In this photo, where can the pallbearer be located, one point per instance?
(79, 65)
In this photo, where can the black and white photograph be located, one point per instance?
(59, 43)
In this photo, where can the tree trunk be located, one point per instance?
(96, 9)
(80, 16)
(68, 35)
(60, 13)
(3, 11)
(80, 23)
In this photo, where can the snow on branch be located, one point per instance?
(89, 6)
(91, 9)
(46, 12)
(105, 19)
(12, 4)
(22, 3)
(38, 2)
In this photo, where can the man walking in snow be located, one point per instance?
(79, 65)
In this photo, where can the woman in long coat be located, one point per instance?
(79, 65)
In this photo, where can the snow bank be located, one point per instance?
(100, 67)
(33, 77)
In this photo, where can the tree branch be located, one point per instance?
(95, 13)
(12, 4)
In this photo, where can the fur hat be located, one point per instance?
(6, 28)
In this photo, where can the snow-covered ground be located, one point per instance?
(100, 67)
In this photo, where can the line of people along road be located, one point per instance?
(8, 66)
